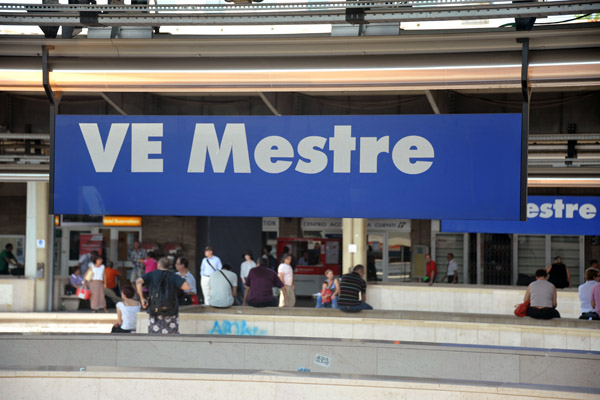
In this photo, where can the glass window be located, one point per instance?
(74, 244)
(567, 247)
(449, 243)
(532, 254)
(399, 256)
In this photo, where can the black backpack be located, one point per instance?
(163, 296)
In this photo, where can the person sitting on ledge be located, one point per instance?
(350, 286)
(223, 287)
(542, 295)
(127, 311)
(585, 294)
(259, 286)
(76, 280)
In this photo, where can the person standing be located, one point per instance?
(559, 274)
(9, 263)
(451, 270)
(97, 286)
(286, 274)
(271, 261)
(86, 261)
(542, 297)
(162, 305)
(137, 256)
(210, 264)
(259, 286)
(150, 263)
(246, 266)
(431, 269)
(351, 285)
(223, 287)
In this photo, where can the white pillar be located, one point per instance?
(37, 243)
(360, 239)
(354, 231)
(347, 237)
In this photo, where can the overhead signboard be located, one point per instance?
(334, 225)
(111, 220)
(385, 166)
(546, 215)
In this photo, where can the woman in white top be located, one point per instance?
(246, 266)
(97, 285)
(286, 274)
(126, 311)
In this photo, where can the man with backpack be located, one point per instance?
(162, 304)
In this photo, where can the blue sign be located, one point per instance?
(546, 215)
(416, 166)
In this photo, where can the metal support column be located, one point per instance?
(526, 94)
(54, 100)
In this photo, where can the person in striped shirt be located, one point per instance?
(350, 286)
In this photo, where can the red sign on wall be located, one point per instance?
(89, 242)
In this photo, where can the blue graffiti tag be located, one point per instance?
(241, 328)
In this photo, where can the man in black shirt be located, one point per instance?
(350, 286)
(163, 306)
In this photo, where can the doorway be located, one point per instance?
(390, 254)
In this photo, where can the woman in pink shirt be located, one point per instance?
(150, 263)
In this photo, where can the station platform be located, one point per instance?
(111, 383)
(268, 367)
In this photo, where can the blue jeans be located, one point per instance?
(361, 306)
(320, 304)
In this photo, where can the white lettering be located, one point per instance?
(205, 141)
(546, 210)
(317, 160)
(411, 147)
(141, 148)
(104, 157)
(554, 210)
(370, 148)
(532, 210)
(558, 208)
(587, 211)
(342, 144)
(273, 147)
(570, 209)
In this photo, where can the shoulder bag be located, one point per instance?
(224, 276)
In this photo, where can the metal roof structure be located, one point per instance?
(374, 11)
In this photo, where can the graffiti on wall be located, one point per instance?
(241, 328)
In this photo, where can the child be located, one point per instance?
(326, 295)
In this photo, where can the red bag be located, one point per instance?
(83, 293)
(521, 309)
(195, 299)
